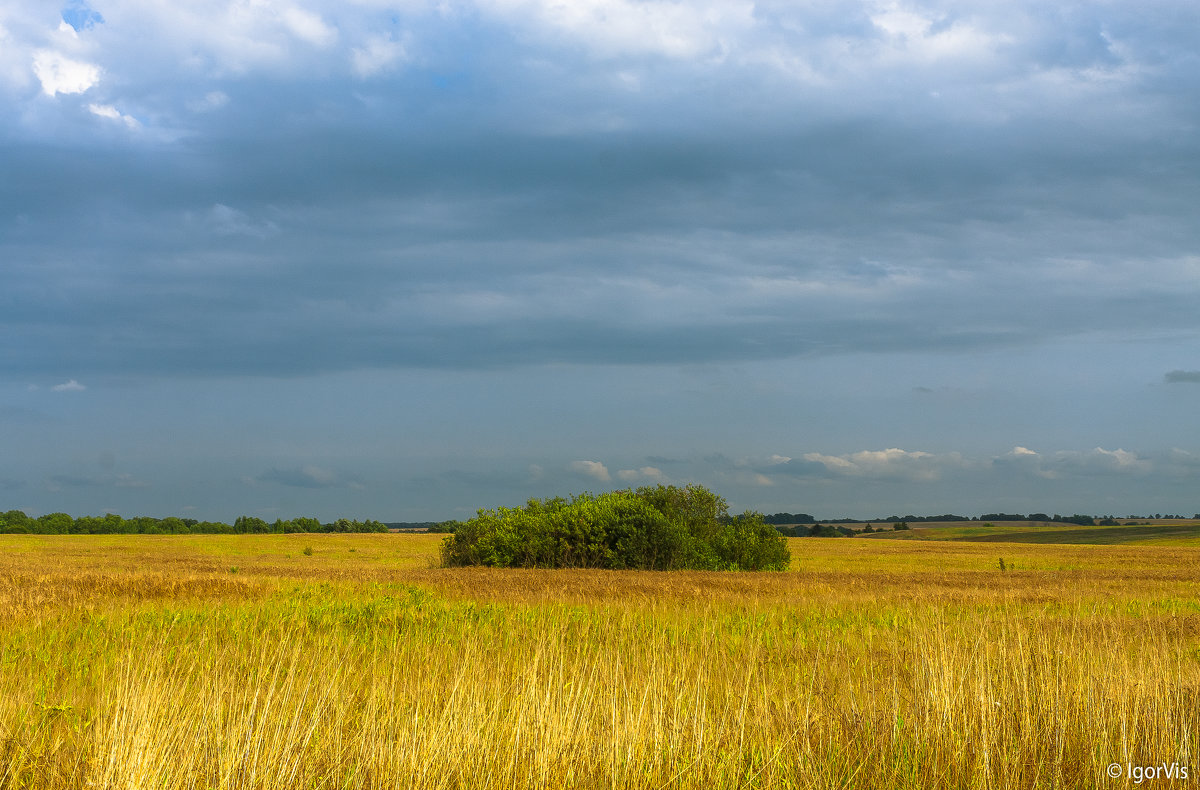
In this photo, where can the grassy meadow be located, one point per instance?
(352, 661)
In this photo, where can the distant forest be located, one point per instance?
(15, 521)
(1087, 521)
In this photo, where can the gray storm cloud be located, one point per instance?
(219, 196)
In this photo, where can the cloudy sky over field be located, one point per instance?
(402, 260)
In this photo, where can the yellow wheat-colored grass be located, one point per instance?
(911, 667)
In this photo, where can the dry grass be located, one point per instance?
(145, 662)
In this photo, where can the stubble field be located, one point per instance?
(245, 662)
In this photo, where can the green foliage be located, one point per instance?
(250, 524)
(15, 521)
(53, 524)
(784, 519)
(748, 543)
(653, 528)
(1083, 521)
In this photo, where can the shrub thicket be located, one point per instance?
(652, 528)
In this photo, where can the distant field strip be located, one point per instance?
(243, 662)
(1097, 535)
(1180, 533)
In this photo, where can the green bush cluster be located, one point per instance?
(652, 528)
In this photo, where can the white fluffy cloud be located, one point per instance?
(892, 463)
(623, 27)
(1101, 461)
(913, 33)
(593, 469)
(846, 50)
(1074, 463)
(1024, 461)
(646, 473)
(60, 74)
(377, 54)
(112, 113)
(309, 27)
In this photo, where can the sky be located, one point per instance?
(404, 260)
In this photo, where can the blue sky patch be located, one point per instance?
(80, 16)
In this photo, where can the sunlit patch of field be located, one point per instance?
(243, 661)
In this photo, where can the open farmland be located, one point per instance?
(1173, 532)
(249, 661)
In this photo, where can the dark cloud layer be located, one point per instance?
(217, 192)
(302, 477)
(376, 220)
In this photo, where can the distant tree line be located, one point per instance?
(805, 518)
(16, 521)
(814, 530)
(833, 530)
(801, 525)
(919, 519)
(788, 520)
(1086, 521)
(1165, 515)
(788, 524)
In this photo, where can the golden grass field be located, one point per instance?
(243, 662)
